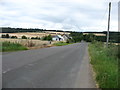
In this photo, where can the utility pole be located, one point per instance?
(108, 25)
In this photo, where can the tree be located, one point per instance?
(49, 38)
(36, 38)
(5, 36)
(76, 36)
(24, 37)
(13, 36)
(89, 38)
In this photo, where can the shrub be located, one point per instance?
(24, 37)
(49, 38)
(89, 38)
(76, 37)
(60, 43)
(13, 36)
(36, 38)
(70, 41)
(5, 36)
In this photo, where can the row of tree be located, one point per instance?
(77, 37)
(48, 38)
(17, 30)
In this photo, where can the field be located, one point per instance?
(27, 34)
(31, 44)
(9, 46)
(96, 34)
(105, 64)
(34, 34)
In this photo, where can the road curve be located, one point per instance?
(54, 67)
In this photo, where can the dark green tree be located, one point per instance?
(24, 37)
(13, 36)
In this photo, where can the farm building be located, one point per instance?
(61, 37)
(58, 38)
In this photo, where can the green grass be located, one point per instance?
(105, 64)
(9, 46)
(61, 43)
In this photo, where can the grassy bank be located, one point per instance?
(61, 43)
(9, 46)
(105, 64)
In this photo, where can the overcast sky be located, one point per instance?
(70, 15)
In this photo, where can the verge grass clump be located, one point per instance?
(10, 46)
(61, 43)
(105, 64)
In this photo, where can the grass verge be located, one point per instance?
(61, 43)
(105, 64)
(9, 46)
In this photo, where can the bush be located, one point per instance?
(36, 38)
(69, 41)
(89, 38)
(5, 36)
(76, 37)
(13, 36)
(60, 43)
(24, 37)
(48, 38)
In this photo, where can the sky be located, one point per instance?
(67, 15)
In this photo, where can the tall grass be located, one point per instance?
(61, 43)
(105, 64)
(9, 46)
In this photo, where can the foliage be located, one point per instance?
(13, 36)
(114, 37)
(24, 37)
(17, 30)
(5, 36)
(89, 38)
(48, 38)
(105, 64)
(35, 38)
(9, 46)
(61, 43)
(76, 36)
(101, 38)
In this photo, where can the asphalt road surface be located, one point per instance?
(54, 67)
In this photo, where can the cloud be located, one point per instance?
(77, 15)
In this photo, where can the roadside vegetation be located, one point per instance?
(105, 64)
(9, 46)
(61, 43)
(48, 38)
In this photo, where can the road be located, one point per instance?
(54, 67)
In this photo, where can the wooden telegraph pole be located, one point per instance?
(108, 25)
